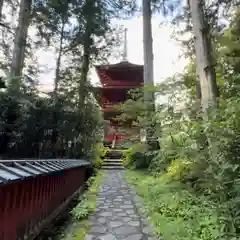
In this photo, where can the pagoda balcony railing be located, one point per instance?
(107, 104)
(119, 83)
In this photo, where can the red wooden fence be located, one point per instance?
(31, 191)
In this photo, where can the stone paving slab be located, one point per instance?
(117, 216)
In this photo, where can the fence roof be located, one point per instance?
(12, 170)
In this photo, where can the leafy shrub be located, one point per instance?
(173, 146)
(83, 209)
(178, 170)
(99, 154)
(161, 161)
(97, 162)
(135, 157)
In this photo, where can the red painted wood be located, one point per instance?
(24, 203)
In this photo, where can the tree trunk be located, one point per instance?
(84, 73)
(55, 93)
(21, 34)
(1, 8)
(86, 56)
(147, 43)
(205, 68)
(198, 89)
(58, 63)
(148, 72)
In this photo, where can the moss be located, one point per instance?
(85, 227)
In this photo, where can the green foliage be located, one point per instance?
(97, 162)
(57, 124)
(84, 229)
(99, 153)
(2, 83)
(199, 154)
(87, 202)
(135, 157)
(26, 126)
(177, 213)
(74, 230)
(197, 165)
(178, 170)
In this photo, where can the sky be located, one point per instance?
(167, 52)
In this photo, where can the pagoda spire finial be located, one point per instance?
(125, 53)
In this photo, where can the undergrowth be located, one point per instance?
(201, 157)
(99, 152)
(87, 203)
(176, 213)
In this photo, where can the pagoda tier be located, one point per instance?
(108, 97)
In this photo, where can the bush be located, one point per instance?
(99, 154)
(136, 156)
(97, 162)
(178, 170)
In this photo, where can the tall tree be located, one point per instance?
(204, 62)
(52, 21)
(148, 71)
(1, 8)
(20, 44)
(89, 19)
(147, 43)
(95, 23)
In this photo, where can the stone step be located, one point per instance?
(111, 164)
(112, 168)
(114, 154)
(113, 160)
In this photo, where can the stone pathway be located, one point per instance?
(117, 216)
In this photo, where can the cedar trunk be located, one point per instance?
(205, 68)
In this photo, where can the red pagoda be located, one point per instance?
(116, 80)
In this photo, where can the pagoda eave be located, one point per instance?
(119, 87)
(120, 72)
(119, 65)
(109, 97)
(110, 110)
(106, 88)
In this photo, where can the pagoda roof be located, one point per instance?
(118, 66)
(114, 88)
